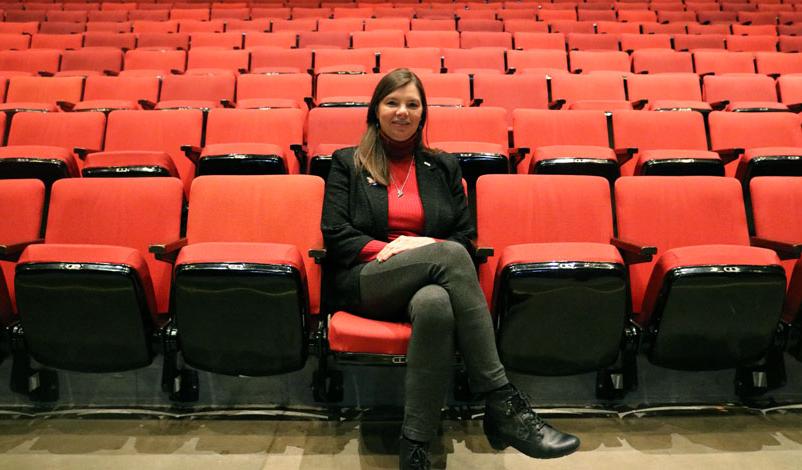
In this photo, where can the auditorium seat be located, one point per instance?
(544, 40)
(324, 39)
(778, 63)
(91, 298)
(523, 25)
(147, 143)
(715, 62)
(656, 61)
(195, 91)
(44, 61)
(387, 23)
(295, 25)
(268, 59)
(589, 61)
(757, 144)
(244, 26)
(752, 43)
(742, 92)
(511, 92)
(556, 285)
(789, 89)
(592, 42)
(17, 41)
(104, 93)
(21, 206)
(250, 141)
(471, 39)
(417, 59)
(345, 89)
(282, 90)
(638, 42)
(447, 89)
(478, 60)
(163, 40)
(122, 41)
(205, 60)
(377, 39)
(29, 27)
(708, 301)
(433, 24)
(245, 287)
(439, 39)
(346, 25)
(663, 143)
(666, 92)
(569, 143)
(91, 61)
(691, 42)
(154, 26)
(344, 61)
(588, 91)
(227, 40)
(541, 61)
(154, 62)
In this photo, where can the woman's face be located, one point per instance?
(400, 113)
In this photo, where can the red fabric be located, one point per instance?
(256, 253)
(43, 152)
(131, 158)
(256, 103)
(187, 104)
(700, 255)
(655, 105)
(260, 209)
(352, 333)
(404, 214)
(602, 105)
(102, 254)
(28, 106)
(558, 252)
(647, 155)
(773, 105)
(106, 104)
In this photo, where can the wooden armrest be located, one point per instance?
(168, 251)
(634, 252)
(11, 251)
(785, 250)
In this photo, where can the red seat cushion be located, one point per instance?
(261, 103)
(604, 105)
(558, 252)
(100, 254)
(242, 252)
(42, 152)
(355, 334)
(131, 158)
(106, 104)
(187, 104)
(28, 106)
(701, 255)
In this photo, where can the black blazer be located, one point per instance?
(355, 212)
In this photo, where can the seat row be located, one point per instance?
(113, 281)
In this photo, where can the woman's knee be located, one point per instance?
(430, 307)
(453, 253)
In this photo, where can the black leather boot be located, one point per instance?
(510, 421)
(413, 455)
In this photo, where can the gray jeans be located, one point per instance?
(435, 287)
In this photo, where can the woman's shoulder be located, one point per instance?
(345, 154)
(442, 159)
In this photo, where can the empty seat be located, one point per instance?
(663, 143)
(14, 41)
(417, 59)
(707, 62)
(592, 42)
(520, 91)
(41, 93)
(107, 39)
(556, 284)
(778, 63)
(479, 25)
(789, 88)
(708, 300)
(474, 61)
(283, 90)
(345, 60)
(324, 39)
(593, 91)
(470, 39)
(163, 40)
(227, 40)
(265, 227)
(154, 62)
(387, 24)
(346, 25)
(377, 39)
(555, 142)
(588, 61)
(345, 89)
(147, 143)
(751, 43)
(447, 89)
(211, 59)
(250, 141)
(476, 136)
(91, 298)
(666, 92)
(638, 42)
(742, 92)
(91, 61)
(691, 42)
(441, 39)
(104, 93)
(31, 61)
(537, 61)
(757, 144)
(653, 61)
(266, 59)
(21, 205)
(195, 91)
(525, 41)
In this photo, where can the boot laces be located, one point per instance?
(418, 457)
(518, 405)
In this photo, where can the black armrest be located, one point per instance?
(719, 105)
(228, 103)
(242, 71)
(176, 72)
(557, 104)
(43, 73)
(65, 105)
(510, 71)
(785, 250)
(517, 156)
(111, 73)
(83, 152)
(634, 252)
(625, 154)
(11, 251)
(146, 104)
(443, 69)
(192, 152)
(476, 102)
(168, 251)
(728, 155)
(795, 107)
(484, 252)
(310, 102)
(576, 71)
(639, 104)
(300, 155)
(318, 254)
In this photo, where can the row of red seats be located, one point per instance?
(266, 59)
(95, 294)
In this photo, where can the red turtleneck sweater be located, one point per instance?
(405, 213)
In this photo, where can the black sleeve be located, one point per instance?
(343, 241)
(464, 231)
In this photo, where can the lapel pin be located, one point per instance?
(371, 181)
(427, 163)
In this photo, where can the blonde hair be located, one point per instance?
(370, 154)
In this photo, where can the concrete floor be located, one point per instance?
(728, 442)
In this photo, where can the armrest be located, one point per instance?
(476, 102)
(11, 251)
(625, 154)
(318, 254)
(228, 103)
(168, 251)
(310, 102)
(795, 107)
(517, 156)
(65, 105)
(176, 72)
(83, 152)
(634, 252)
(484, 252)
(43, 73)
(556, 104)
(719, 105)
(443, 69)
(112, 73)
(242, 71)
(146, 104)
(300, 155)
(510, 71)
(728, 155)
(639, 104)
(784, 250)
(192, 152)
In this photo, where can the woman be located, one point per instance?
(399, 239)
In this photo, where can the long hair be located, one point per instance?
(370, 154)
